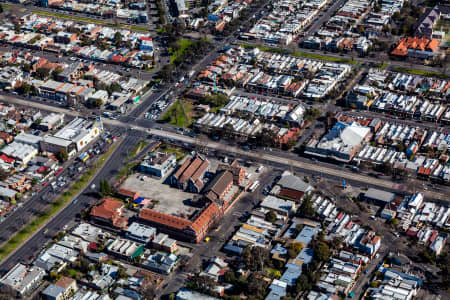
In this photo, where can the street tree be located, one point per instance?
(62, 155)
(105, 188)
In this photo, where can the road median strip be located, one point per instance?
(89, 20)
(421, 72)
(37, 222)
(301, 54)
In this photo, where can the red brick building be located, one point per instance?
(109, 211)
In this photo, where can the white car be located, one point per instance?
(73, 58)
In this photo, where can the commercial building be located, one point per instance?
(341, 143)
(158, 164)
(80, 132)
(20, 151)
(163, 242)
(291, 186)
(279, 206)
(52, 144)
(56, 257)
(192, 231)
(378, 197)
(51, 121)
(140, 233)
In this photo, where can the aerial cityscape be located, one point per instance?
(224, 149)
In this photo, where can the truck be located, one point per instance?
(254, 186)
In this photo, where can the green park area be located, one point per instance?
(179, 114)
(181, 46)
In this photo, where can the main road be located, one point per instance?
(110, 167)
(281, 159)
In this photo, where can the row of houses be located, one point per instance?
(417, 217)
(264, 108)
(401, 145)
(244, 128)
(132, 12)
(284, 22)
(84, 241)
(340, 273)
(274, 73)
(50, 34)
(395, 284)
(353, 26)
(221, 12)
(71, 84)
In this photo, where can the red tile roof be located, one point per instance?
(164, 219)
(64, 282)
(128, 193)
(421, 44)
(203, 220)
(107, 209)
(195, 164)
(191, 169)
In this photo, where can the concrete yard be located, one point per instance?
(171, 201)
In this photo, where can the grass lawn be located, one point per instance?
(382, 66)
(183, 44)
(38, 221)
(136, 149)
(72, 272)
(176, 116)
(179, 152)
(138, 28)
(5, 6)
(324, 57)
(89, 20)
(420, 72)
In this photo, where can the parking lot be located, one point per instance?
(169, 200)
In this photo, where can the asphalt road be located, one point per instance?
(218, 237)
(32, 246)
(278, 158)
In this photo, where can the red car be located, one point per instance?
(56, 174)
(44, 184)
(60, 170)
